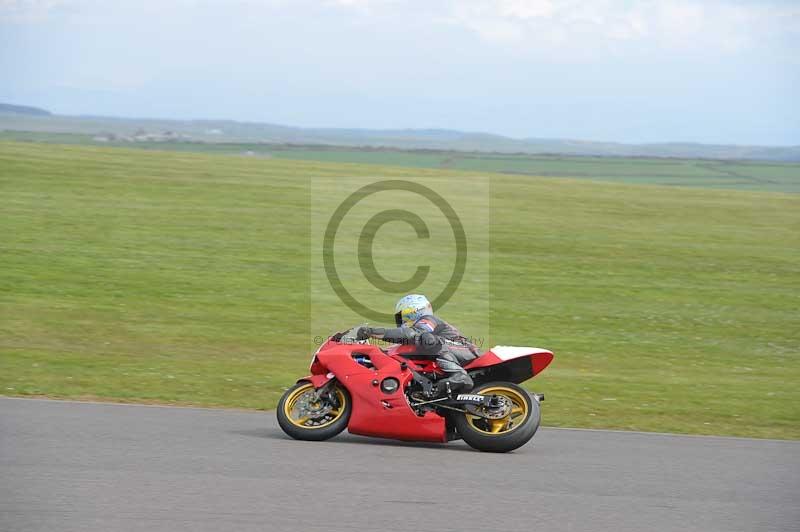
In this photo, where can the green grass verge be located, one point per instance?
(181, 278)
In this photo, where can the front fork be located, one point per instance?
(324, 392)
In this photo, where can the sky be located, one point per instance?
(717, 71)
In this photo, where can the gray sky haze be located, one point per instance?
(718, 71)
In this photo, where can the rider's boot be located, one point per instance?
(456, 383)
(457, 379)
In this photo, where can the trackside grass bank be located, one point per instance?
(183, 278)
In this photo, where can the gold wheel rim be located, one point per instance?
(504, 425)
(307, 420)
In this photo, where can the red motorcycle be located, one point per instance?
(387, 393)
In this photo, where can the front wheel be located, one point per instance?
(502, 429)
(304, 417)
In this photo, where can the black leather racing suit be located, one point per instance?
(435, 337)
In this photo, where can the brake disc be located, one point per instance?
(497, 412)
(313, 409)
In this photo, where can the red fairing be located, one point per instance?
(388, 415)
(317, 380)
(376, 413)
(426, 363)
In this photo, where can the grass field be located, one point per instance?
(706, 173)
(182, 278)
(739, 175)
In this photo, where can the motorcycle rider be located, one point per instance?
(417, 325)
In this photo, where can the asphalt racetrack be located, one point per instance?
(70, 466)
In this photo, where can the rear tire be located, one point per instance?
(513, 432)
(300, 426)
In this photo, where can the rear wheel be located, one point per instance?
(304, 417)
(504, 428)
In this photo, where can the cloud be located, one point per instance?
(525, 9)
(26, 10)
(723, 25)
(565, 26)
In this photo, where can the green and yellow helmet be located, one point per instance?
(410, 308)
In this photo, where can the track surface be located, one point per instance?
(98, 467)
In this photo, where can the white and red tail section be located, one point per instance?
(499, 354)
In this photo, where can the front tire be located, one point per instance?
(504, 434)
(302, 418)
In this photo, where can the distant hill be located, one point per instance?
(21, 118)
(8, 108)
